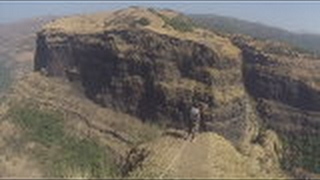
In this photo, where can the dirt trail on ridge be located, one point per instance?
(208, 156)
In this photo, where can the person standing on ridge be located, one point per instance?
(194, 123)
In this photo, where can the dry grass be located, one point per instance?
(24, 57)
(18, 167)
(60, 95)
(14, 163)
(209, 156)
(115, 131)
(227, 94)
(223, 77)
(122, 19)
(58, 151)
(221, 94)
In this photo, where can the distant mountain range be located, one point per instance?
(307, 42)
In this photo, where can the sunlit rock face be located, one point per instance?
(157, 72)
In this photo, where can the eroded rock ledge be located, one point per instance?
(141, 72)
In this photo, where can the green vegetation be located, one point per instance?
(302, 150)
(83, 155)
(179, 23)
(45, 128)
(63, 155)
(5, 77)
(143, 21)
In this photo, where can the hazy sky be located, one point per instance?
(294, 16)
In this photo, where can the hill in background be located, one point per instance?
(306, 42)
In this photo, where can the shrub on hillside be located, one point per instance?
(181, 24)
(143, 21)
(302, 150)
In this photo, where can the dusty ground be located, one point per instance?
(208, 156)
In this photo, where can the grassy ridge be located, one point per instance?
(62, 155)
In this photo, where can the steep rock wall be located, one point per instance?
(154, 76)
(287, 97)
(277, 79)
(261, 81)
(128, 63)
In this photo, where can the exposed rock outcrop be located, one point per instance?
(285, 86)
(140, 62)
(282, 82)
(289, 78)
(152, 71)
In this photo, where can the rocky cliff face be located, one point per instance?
(141, 62)
(155, 74)
(289, 78)
(285, 86)
(281, 76)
